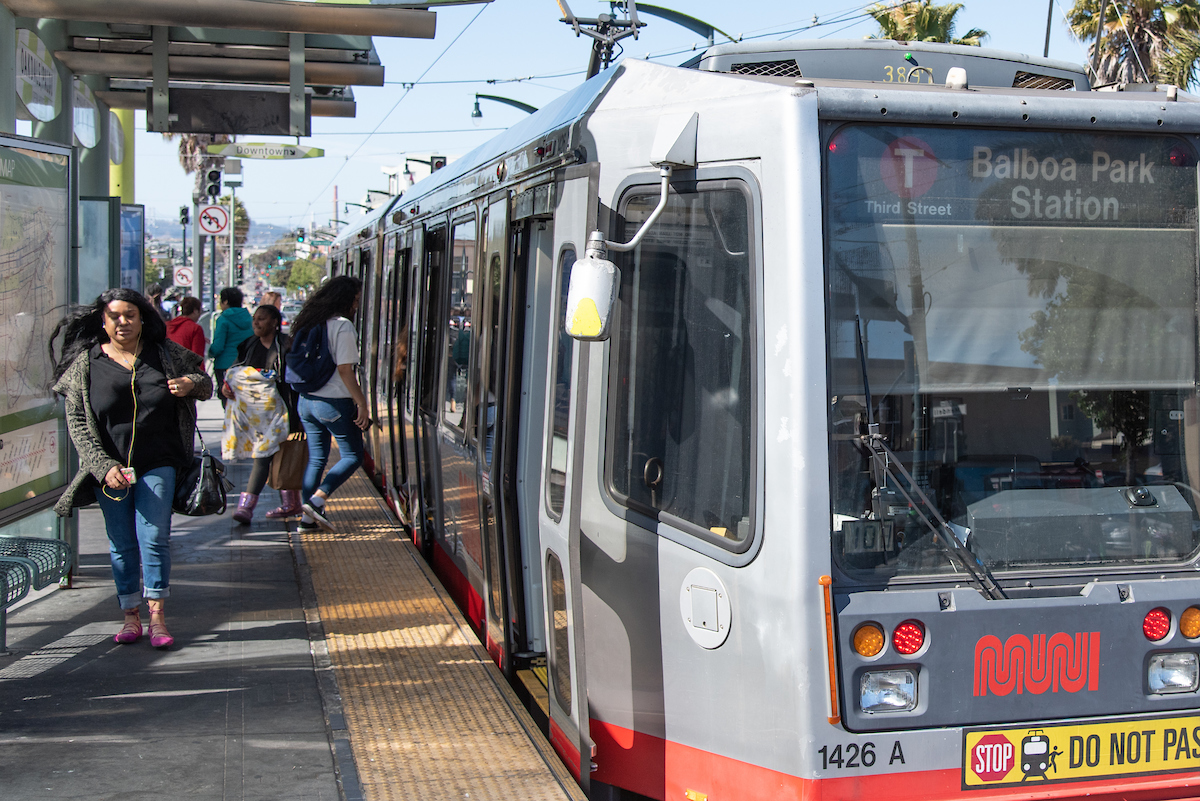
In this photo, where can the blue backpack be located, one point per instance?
(310, 362)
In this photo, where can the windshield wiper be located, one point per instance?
(885, 462)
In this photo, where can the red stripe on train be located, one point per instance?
(459, 587)
(664, 770)
(566, 749)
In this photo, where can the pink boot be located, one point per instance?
(290, 506)
(245, 509)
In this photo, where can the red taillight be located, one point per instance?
(1157, 624)
(908, 637)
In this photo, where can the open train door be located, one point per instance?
(574, 208)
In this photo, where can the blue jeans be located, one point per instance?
(139, 535)
(324, 418)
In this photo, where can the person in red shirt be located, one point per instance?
(184, 329)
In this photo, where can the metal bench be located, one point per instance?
(49, 561)
(17, 580)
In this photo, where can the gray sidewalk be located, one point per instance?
(232, 711)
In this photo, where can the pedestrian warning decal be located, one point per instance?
(1080, 751)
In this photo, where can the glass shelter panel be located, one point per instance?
(682, 422)
(1016, 313)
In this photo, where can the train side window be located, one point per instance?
(560, 654)
(435, 243)
(560, 414)
(682, 438)
(456, 368)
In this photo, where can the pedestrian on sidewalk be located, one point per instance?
(231, 329)
(263, 411)
(130, 396)
(338, 408)
(184, 329)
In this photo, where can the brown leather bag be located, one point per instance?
(289, 462)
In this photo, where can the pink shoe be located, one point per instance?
(131, 632)
(290, 506)
(159, 636)
(245, 507)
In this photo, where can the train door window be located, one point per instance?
(560, 413)
(682, 394)
(495, 353)
(560, 655)
(455, 370)
(435, 254)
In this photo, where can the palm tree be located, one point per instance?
(1157, 41)
(921, 21)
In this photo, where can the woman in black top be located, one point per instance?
(130, 407)
(265, 351)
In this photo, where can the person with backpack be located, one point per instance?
(321, 366)
(232, 328)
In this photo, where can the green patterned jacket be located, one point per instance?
(94, 461)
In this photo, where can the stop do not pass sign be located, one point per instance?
(993, 757)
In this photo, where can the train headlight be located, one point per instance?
(1173, 673)
(888, 691)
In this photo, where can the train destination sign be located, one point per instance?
(266, 150)
(1038, 753)
(891, 174)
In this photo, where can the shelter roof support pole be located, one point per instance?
(8, 72)
(159, 98)
(298, 124)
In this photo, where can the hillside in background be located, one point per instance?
(260, 235)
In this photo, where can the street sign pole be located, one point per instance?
(197, 254)
(232, 229)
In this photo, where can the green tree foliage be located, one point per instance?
(922, 21)
(1156, 41)
(306, 274)
(241, 218)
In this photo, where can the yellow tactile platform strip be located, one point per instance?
(429, 715)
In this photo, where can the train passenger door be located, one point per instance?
(558, 512)
(491, 290)
(418, 301)
(428, 399)
(461, 531)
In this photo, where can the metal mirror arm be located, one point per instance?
(885, 459)
(597, 241)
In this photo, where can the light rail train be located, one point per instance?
(879, 475)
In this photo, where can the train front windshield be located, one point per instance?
(1020, 309)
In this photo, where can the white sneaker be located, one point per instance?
(317, 513)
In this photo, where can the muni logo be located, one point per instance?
(1037, 664)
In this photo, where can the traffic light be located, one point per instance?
(241, 273)
(436, 163)
(184, 216)
(213, 189)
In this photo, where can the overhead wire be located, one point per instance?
(396, 105)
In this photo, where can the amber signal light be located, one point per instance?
(868, 639)
(1157, 624)
(1189, 623)
(908, 637)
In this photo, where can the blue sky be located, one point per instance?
(504, 41)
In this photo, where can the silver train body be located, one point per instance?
(891, 456)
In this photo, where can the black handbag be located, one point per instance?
(202, 488)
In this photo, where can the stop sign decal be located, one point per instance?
(993, 757)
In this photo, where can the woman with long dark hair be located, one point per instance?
(337, 410)
(130, 396)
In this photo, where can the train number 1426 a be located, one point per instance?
(854, 755)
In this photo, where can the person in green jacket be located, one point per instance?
(233, 327)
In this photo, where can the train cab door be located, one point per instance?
(558, 512)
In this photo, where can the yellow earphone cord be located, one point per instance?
(133, 432)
